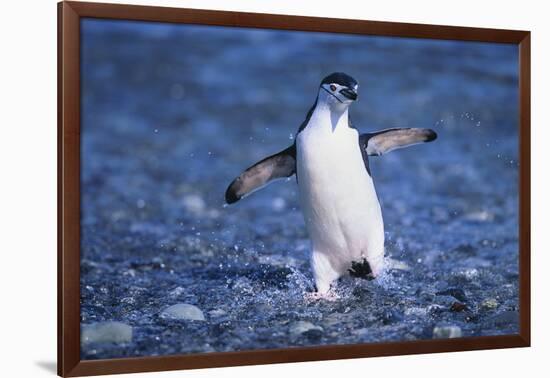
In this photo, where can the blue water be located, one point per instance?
(172, 113)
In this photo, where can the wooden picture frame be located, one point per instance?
(69, 16)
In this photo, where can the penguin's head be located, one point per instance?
(338, 90)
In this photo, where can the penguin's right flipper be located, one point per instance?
(384, 141)
(280, 165)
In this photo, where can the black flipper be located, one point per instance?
(282, 164)
(384, 141)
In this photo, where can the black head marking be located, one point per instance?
(340, 78)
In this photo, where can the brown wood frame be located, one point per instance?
(69, 14)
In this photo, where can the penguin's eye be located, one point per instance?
(332, 87)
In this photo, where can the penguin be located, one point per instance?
(338, 199)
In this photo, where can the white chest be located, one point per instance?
(337, 195)
(329, 161)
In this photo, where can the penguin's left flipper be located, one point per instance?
(280, 165)
(384, 141)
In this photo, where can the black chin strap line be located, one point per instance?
(332, 94)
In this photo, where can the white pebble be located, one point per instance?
(446, 332)
(106, 332)
(183, 311)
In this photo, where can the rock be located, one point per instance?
(106, 332)
(446, 332)
(217, 313)
(313, 334)
(489, 304)
(301, 327)
(416, 311)
(391, 316)
(361, 332)
(458, 307)
(435, 309)
(176, 292)
(183, 311)
(454, 292)
(467, 249)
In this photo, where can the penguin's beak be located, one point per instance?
(349, 93)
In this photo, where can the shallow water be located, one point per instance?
(171, 114)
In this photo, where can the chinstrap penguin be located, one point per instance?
(337, 194)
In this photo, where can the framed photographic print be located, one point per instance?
(239, 188)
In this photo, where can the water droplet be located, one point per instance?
(291, 136)
(156, 131)
(140, 204)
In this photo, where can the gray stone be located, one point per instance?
(183, 311)
(300, 327)
(217, 313)
(106, 332)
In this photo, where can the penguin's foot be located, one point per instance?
(361, 270)
(330, 296)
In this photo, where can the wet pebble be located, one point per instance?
(183, 311)
(489, 304)
(454, 292)
(106, 332)
(458, 307)
(446, 332)
(435, 309)
(176, 292)
(217, 313)
(391, 316)
(416, 311)
(302, 327)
